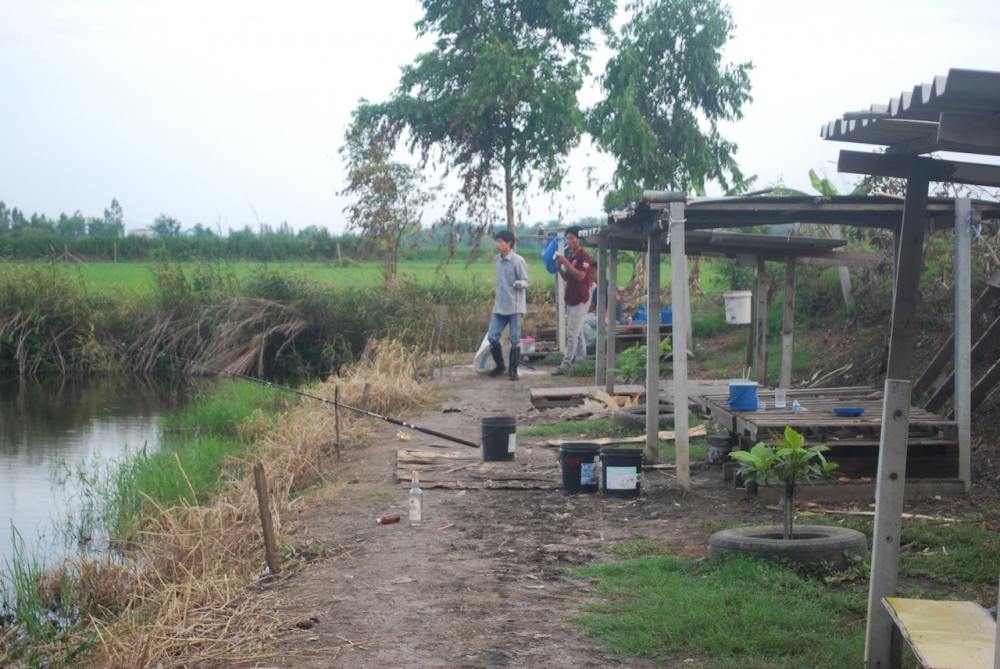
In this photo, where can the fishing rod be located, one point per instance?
(287, 389)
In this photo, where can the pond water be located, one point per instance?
(52, 431)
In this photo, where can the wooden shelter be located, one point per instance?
(671, 221)
(956, 112)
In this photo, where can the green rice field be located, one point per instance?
(137, 277)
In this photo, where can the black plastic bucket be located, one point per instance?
(621, 471)
(499, 438)
(579, 467)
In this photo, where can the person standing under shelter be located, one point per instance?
(575, 268)
(510, 303)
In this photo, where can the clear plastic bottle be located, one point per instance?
(416, 502)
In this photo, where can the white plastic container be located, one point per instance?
(737, 306)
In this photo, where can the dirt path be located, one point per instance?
(487, 582)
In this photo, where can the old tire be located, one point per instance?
(635, 416)
(813, 544)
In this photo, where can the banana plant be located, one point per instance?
(788, 462)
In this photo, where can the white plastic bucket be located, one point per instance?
(737, 306)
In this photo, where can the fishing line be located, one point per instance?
(287, 389)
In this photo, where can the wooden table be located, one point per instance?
(629, 335)
(854, 441)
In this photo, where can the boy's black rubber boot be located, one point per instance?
(515, 359)
(497, 354)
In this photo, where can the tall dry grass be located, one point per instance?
(184, 595)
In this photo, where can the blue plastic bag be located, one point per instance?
(549, 253)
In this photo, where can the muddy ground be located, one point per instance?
(488, 581)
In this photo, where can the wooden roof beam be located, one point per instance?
(896, 165)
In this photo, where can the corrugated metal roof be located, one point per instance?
(914, 120)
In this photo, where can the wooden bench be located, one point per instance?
(943, 634)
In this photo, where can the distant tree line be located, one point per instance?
(37, 236)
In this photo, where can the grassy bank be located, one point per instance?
(205, 448)
(747, 613)
(179, 592)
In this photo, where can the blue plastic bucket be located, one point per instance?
(666, 315)
(743, 396)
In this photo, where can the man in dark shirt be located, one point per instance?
(575, 268)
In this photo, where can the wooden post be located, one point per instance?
(996, 649)
(600, 365)
(561, 303)
(267, 523)
(653, 346)
(365, 393)
(895, 421)
(612, 337)
(760, 323)
(788, 325)
(114, 252)
(336, 417)
(682, 322)
(963, 336)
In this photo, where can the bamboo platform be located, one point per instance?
(932, 445)
(570, 396)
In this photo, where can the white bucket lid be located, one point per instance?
(742, 383)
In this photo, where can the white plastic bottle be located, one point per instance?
(416, 502)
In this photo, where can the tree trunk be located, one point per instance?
(508, 187)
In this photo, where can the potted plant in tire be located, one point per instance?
(789, 463)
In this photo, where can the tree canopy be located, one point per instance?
(665, 91)
(496, 99)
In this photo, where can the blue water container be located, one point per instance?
(743, 396)
(666, 316)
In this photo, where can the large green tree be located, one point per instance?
(666, 90)
(496, 99)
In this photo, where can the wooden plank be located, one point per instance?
(679, 296)
(945, 634)
(663, 435)
(984, 386)
(609, 380)
(895, 418)
(601, 363)
(788, 325)
(933, 376)
(963, 336)
(583, 391)
(652, 449)
(897, 165)
(996, 648)
(978, 353)
(970, 130)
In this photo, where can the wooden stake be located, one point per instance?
(681, 336)
(652, 450)
(363, 404)
(611, 334)
(267, 523)
(336, 417)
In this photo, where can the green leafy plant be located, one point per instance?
(632, 361)
(788, 462)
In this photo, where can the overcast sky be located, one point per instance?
(209, 110)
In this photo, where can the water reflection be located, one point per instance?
(50, 430)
